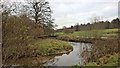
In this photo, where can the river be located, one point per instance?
(73, 58)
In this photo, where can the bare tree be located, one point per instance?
(41, 12)
(95, 19)
(77, 27)
(8, 9)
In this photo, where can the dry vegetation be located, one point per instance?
(21, 31)
(16, 39)
(101, 48)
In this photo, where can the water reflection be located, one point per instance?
(73, 58)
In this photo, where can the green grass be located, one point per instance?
(91, 33)
(59, 33)
(50, 46)
(75, 66)
(112, 60)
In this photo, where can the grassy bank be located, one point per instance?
(38, 52)
(108, 60)
(50, 46)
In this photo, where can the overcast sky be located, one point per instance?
(70, 12)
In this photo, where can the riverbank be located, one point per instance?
(100, 47)
(107, 60)
(71, 58)
(104, 42)
(50, 47)
(40, 51)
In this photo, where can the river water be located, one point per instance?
(73, 58)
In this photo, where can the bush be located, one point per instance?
(18, 32)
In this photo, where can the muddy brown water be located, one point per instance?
(73, 58)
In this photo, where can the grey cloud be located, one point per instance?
(67, 12)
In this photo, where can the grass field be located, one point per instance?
(91, 33)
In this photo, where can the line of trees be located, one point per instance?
(115, 23)
(101, 25)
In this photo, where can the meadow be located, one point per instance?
(91, 33)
